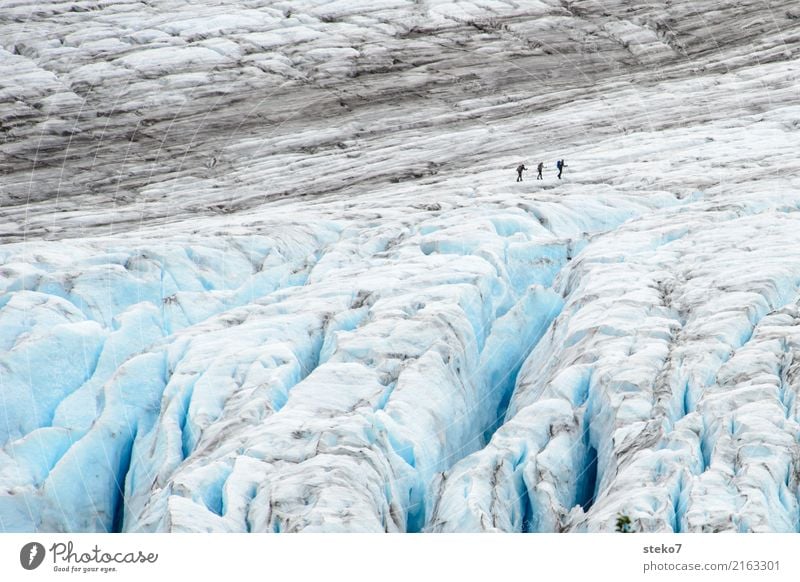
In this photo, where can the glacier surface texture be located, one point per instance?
(265, 267)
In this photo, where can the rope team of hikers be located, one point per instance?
(560, 165)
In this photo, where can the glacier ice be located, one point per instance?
(264, 267)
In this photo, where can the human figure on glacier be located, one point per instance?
(521, 168)
(540, 167)
(560, 165)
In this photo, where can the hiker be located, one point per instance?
(560, 165)
(521, 168)
(540, 167)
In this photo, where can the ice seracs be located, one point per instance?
(671, 355)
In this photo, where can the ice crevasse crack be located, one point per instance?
(381, 367)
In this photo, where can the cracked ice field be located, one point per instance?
(264, 266)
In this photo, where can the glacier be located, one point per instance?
(264, 266)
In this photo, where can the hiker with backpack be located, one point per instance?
(560, 165)
(540, 167)
(521, 168)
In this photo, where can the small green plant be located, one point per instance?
(623, 524)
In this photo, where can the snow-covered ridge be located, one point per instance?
(407, 340)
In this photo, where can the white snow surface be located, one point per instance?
(265, 268)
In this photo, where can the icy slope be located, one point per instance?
(123, 112)
(407, 340)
